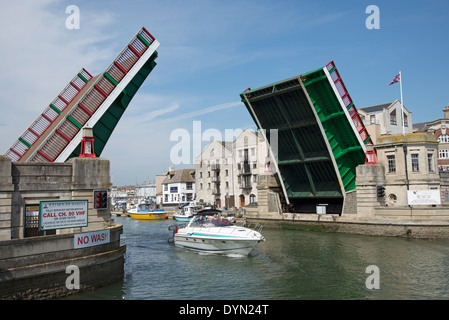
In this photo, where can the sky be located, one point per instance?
(210, 51)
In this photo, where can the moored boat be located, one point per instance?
(187, 212)
(143, 212)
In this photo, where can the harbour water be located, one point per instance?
(289, 265)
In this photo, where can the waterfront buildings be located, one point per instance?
(178, 187)
(227, 172)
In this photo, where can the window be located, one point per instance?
(405, 120)
(430, 162)
(393, 117)
(201, 174)
(443, 138)
(201, 186)
(227, 185)
(391, 163)
(415, 162)
(189, 185)
(372, 119)
(443, 154)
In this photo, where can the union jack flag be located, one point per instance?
(396, 79)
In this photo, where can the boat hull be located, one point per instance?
(148, 216)
(213, 246)
(201, 240)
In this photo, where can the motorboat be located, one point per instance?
(187, 212)
(143, 211)
(210, 233)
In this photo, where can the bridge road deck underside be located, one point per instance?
(317, 148)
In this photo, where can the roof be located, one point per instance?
(422, 126)
(226, 144)
(377, 108)
(181, 175)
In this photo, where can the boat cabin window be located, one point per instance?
(144, 207)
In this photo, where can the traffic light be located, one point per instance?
(101, 199)
(380, 191)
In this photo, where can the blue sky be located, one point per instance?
(210, 51)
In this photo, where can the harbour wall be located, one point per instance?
(363, 211)
(36, 264)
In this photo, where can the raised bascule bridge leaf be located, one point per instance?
(95, 101)
(320, 137)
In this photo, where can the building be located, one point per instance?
(178, 187)
(159, 179)
(227, 172)
(439, 128)
(146, 191)
(386, 119)
(410, 163)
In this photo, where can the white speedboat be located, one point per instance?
(215, 235)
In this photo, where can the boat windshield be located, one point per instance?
(144, 207)
(209, 221)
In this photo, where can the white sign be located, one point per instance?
(89, 239)
(423, 197)
(62, 214)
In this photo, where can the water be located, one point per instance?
(289, 265)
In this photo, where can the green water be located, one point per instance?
(289, 265)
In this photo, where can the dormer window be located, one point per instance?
(393, 120)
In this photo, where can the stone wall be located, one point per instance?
(35, 268)
(26, 184)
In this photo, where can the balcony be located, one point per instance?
(244, 169)
(216, 191)
(245, 185)
(215, 167)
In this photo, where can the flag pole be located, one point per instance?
(402, 103)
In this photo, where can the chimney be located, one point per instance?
(446, 112)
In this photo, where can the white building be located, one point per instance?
(146, 191)
(178, 187)
(227, 172)
(386, 119)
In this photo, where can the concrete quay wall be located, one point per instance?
(423, 226)
(38, 268)
(36, 264)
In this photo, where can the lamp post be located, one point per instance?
(87, 143)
